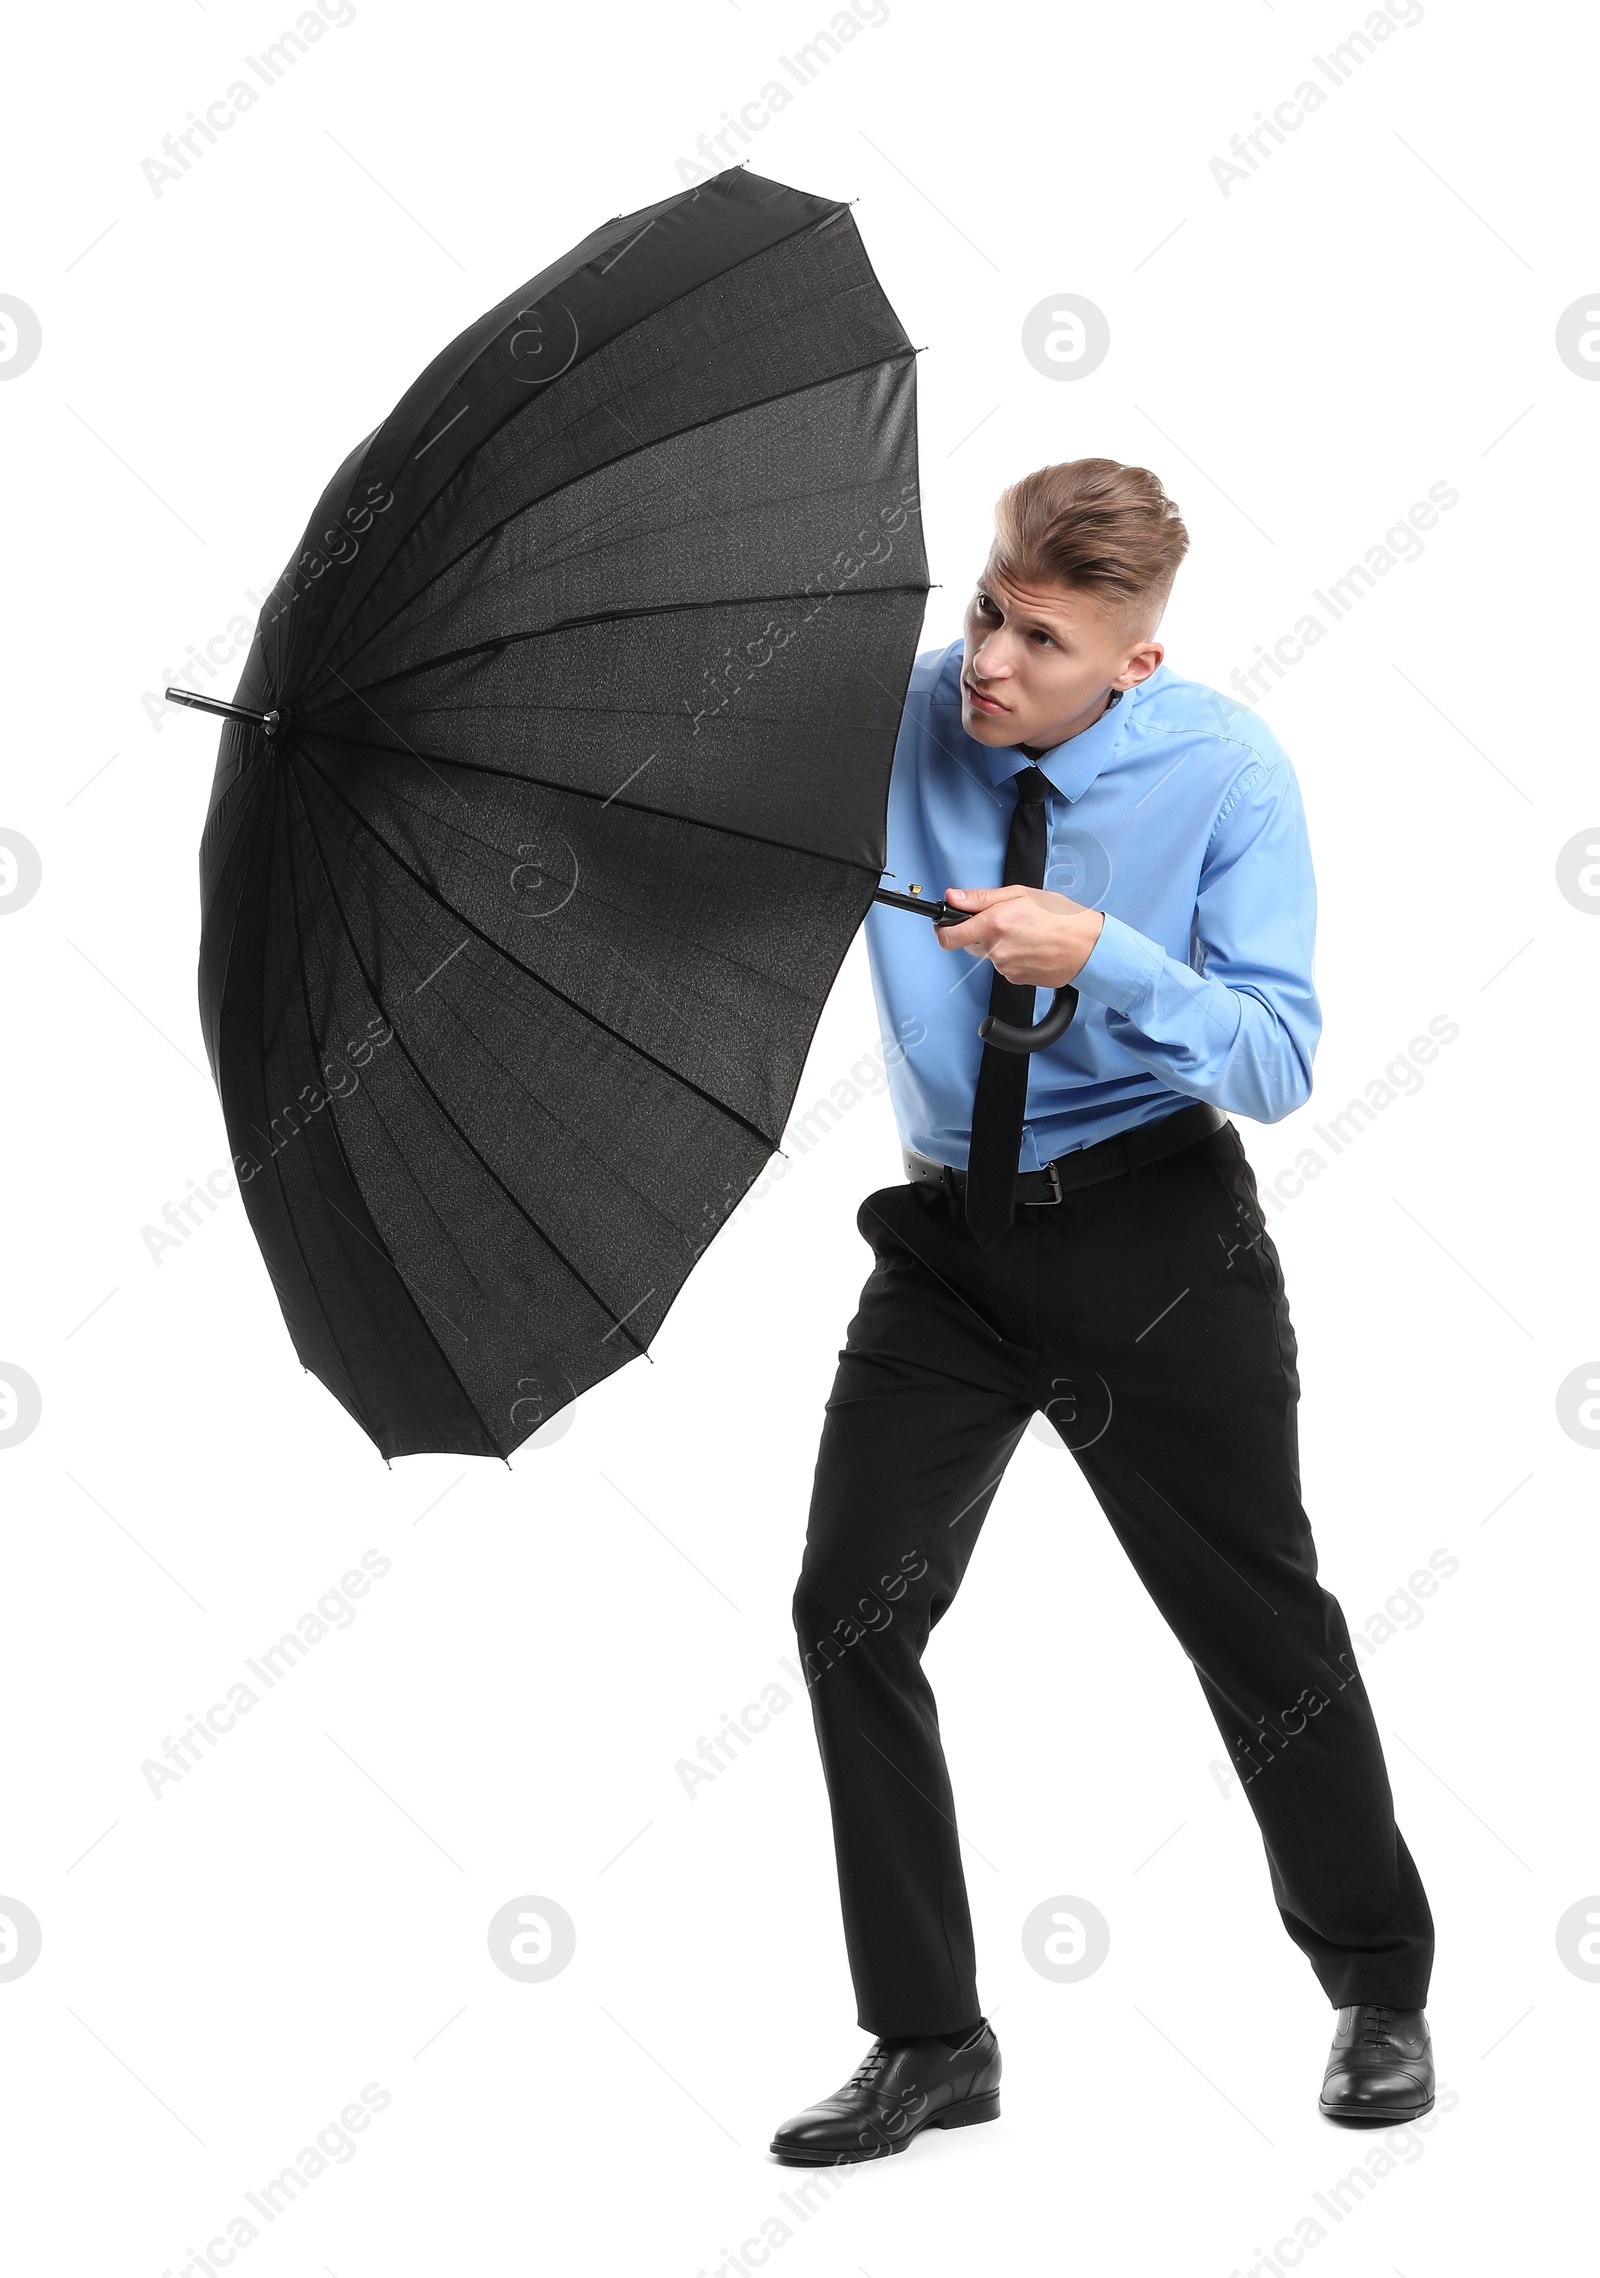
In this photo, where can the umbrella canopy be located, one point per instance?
(559, 797)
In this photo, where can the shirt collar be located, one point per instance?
(1071, 766)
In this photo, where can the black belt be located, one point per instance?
(1111, 1158)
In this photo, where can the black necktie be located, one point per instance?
(1000, 1101)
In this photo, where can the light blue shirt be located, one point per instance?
(1179, 815)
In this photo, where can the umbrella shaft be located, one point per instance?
(940, 912)
(267, 720)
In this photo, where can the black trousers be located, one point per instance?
(1146, 1317)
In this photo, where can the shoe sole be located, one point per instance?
(1374, 2115)
(967, 2114)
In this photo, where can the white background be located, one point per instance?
(1371, 311)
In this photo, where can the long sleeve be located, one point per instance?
(1238, 1023)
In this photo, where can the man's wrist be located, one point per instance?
(1120, 966)
(1083, 923)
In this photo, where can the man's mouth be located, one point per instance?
(983, 703)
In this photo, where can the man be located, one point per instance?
(1079, 1233)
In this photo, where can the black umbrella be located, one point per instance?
(550, 800)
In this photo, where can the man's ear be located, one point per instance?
(1139, 664)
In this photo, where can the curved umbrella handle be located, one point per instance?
(1050, 1030)
(1000, 1033)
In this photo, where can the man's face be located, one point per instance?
(1040, 662)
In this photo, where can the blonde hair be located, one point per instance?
(1098, 527)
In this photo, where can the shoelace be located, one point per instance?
(871, 2064)
(1375, 2031)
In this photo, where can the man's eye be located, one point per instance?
(1038, 636)
(985, 604)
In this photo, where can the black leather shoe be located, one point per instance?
(898, 2089)
(1380, 2068)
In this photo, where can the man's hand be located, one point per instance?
(1034, 938)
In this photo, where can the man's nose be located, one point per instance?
(990, 662)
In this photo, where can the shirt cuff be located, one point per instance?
(1120, 966)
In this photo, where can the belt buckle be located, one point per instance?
(1055, 1189)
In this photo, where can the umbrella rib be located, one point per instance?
(601, 617)
(283, 1190)
(549, 987)
(757, 254)
(644, 1201)
(586, 540)
(617, 1322)
(518, 408)
(745, 972)
(760, 403)
(582, 791)
(248, 796)
(379, 1244)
